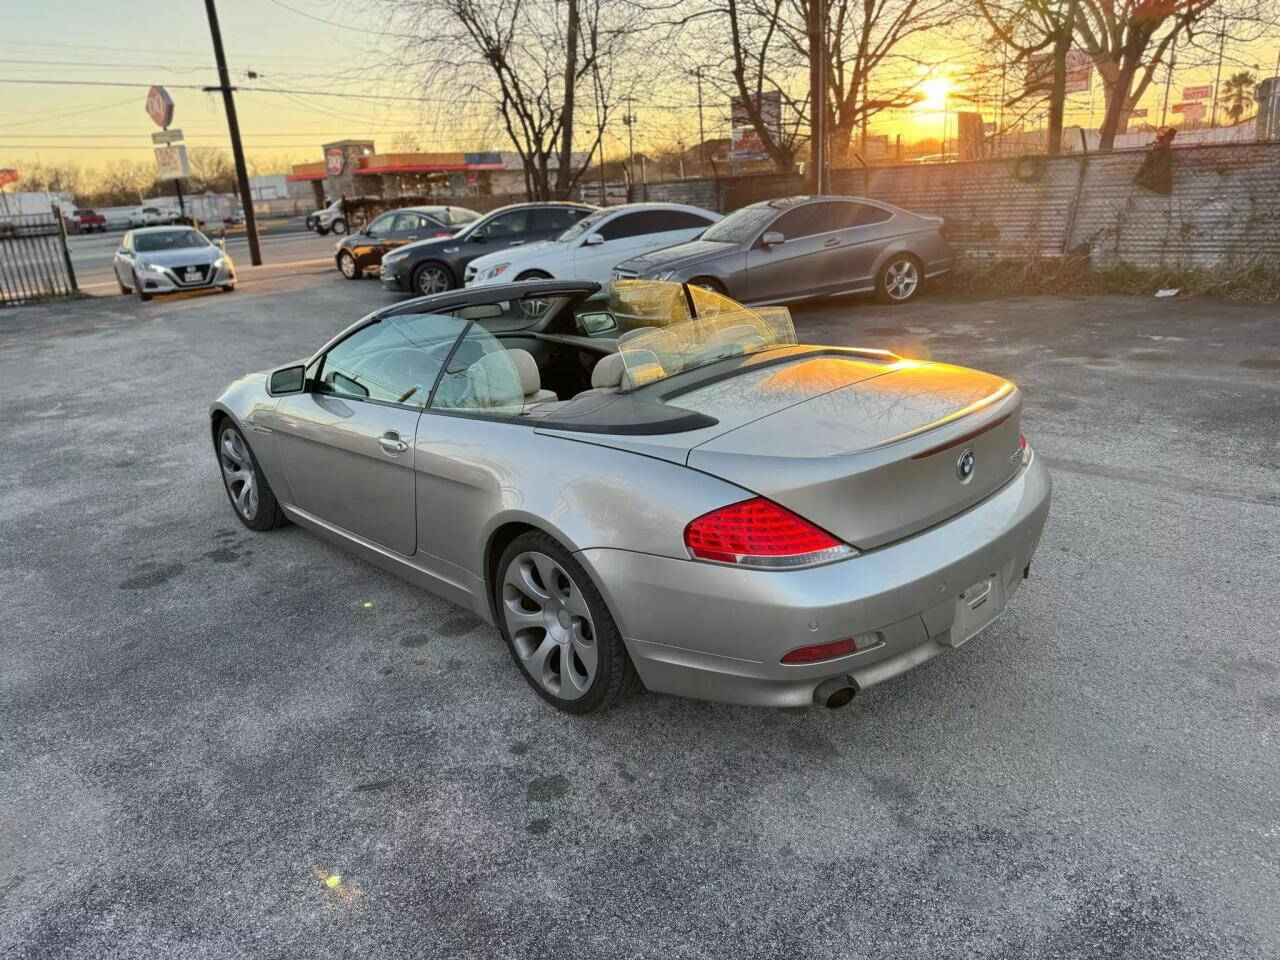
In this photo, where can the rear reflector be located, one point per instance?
(760, 533)
(819, 651)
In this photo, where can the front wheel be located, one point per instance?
(708, 283)
(322, 230)
(558, 628)
(247, 488)
(347, 265)
(142, 294)
(899, 279)
(432, 278)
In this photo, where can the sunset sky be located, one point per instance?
(169, 44)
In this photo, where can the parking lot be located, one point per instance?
(221, 744)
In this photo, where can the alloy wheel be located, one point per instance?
(550, 625)
(347, 264)
(901, 279)
(432, 280)
(237, 472)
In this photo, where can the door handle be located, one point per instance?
(515, 243)
(832, 242)
(391, 442)
(413, 236)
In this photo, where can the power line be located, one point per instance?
(335, 23)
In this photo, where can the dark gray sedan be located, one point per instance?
(439, 264)
(778, 251)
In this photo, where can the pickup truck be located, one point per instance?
(151, 217)
(85, 220)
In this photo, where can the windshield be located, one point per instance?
(585, 225)
(168, 240)
(741, 226)
(666, 338)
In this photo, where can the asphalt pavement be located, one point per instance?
(215, 743)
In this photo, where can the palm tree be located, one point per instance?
(1237, 93)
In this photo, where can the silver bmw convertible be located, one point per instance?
(651, 485)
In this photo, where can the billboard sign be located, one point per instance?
(1079, 71)
(171, 163)
(160, 106)
(8, 175)
(1189, 111)
(335, 161)
(1202, 92)
(746, 143)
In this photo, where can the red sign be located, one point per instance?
(1191, 111)
(8, 175)
(160, 106)
(1203, 92)
(335, 161)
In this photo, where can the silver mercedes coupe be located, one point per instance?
(651, 485)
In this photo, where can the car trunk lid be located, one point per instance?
(879, 457)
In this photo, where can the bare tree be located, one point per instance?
(532, 63)
(211, 169)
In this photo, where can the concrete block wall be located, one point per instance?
(1224, 207)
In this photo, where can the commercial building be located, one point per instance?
(354, 168)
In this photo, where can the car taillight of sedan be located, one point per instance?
(759, 533)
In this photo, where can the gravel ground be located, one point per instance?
(220, 744)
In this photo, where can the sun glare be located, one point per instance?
(935, 93)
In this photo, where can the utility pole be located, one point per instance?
(702, 135)
(817, 93)
(1058, 96)
(1217, 82)
(233, 125)
(629, 118)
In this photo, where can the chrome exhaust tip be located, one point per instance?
(834, 693)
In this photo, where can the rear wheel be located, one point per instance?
(899, 279)
(432, 277)
(339, 226)
(347, 265)
(247, 488)
(558, 628)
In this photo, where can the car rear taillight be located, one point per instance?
(759, 533)
(819, 651)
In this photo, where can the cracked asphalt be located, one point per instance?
(220, 744)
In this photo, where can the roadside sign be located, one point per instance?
(1203, 92)
(166, 136)
(335, 161)
(171, 163)
(160, 106)
(8, 175)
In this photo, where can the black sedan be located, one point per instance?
(438, 264)
(365, 248)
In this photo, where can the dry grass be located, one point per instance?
(1256, 280)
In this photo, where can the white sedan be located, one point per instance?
(591, 248)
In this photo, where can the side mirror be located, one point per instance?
(291, 379)
(772, 238)
(593, 240)
(478, 237)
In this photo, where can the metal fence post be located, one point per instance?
(66, 251)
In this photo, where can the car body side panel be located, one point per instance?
(476, 475)
(253, 410)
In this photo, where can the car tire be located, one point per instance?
(899, 280)
(709, 283)
(534, 275)
(571, 642)
(339, 226)
(142, 294)
(322, 230)
(423, 272)
(228, 288)
(247, 489)
(123, 289)
(347, 266)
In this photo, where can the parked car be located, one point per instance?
(591, 247)
(778, 251)
(439, 264)
(167, 259)
(658, 488)
(329, 218)
(85, 220)
(151, 217)
(359, 251)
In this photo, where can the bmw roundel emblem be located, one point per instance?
(964, 466)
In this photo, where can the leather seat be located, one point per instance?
(530, 378)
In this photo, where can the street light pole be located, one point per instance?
(233, 125)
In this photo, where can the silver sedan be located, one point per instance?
(780, 251)
(155, 260)
(655, 486)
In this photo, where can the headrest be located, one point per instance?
(527, 368)
(608, 372)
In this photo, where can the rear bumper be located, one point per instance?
(717, 633)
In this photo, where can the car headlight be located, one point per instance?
(662, 275)
(494, 271)
(153, 268)
(391, 258)
(222, 263)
